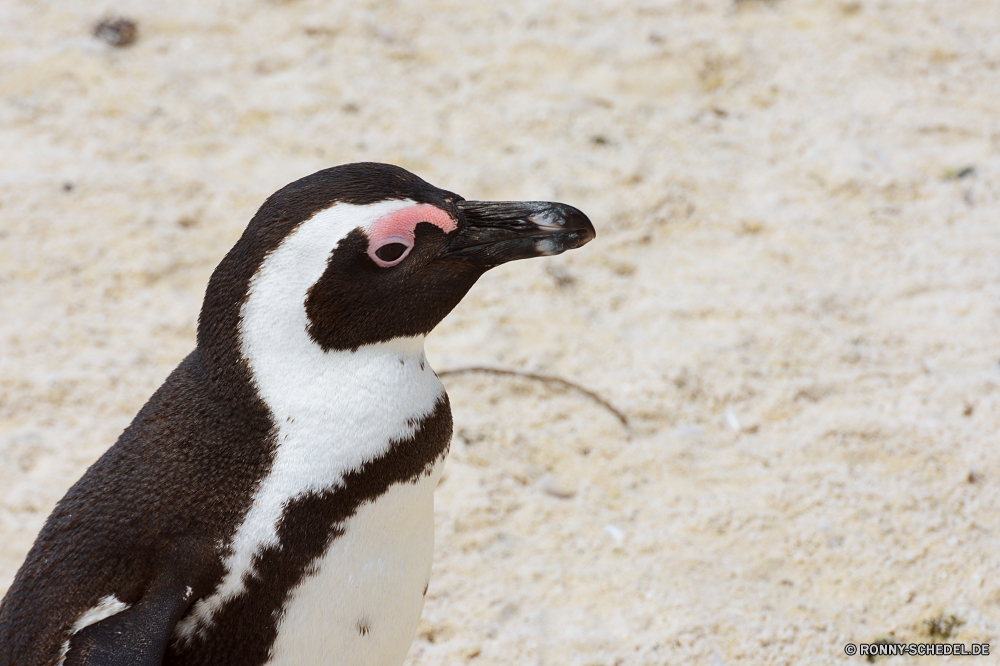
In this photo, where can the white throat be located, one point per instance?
(333, 411)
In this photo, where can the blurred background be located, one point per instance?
(794, 296)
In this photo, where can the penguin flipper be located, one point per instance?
(137, 636)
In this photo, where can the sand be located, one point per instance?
(793, 295)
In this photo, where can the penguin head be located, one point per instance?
(372, 252)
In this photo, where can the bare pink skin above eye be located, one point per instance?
(402, 223)
(399, 228)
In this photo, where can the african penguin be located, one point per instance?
(272, 503)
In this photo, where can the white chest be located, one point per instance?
(361, 602)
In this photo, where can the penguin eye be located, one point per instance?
(390, 251)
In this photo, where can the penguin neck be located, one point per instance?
(336, 409)
(297, 379)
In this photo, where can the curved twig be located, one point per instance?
(546, 379)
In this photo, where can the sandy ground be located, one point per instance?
(794, 295)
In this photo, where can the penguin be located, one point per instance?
(272, 502)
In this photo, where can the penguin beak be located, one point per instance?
(495, 232)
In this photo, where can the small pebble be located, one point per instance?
(732, 421)
(957, 173)
(561, 488)
(692, 431)
(117, 31)
(615, 533)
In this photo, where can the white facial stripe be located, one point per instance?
(333, 411)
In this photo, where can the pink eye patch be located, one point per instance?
(391, 237)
